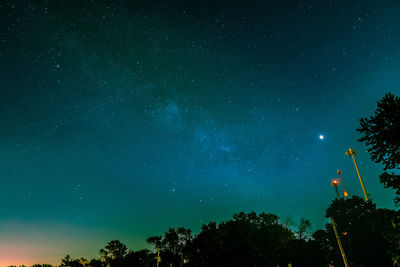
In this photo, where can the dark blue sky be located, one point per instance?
(121, 119)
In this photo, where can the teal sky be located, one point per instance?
(119, 120)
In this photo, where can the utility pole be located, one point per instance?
(345, 194)
(158, 257)
(339, 243)
(351, 152)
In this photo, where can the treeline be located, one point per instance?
(370, 237)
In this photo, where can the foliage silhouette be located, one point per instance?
(304, 226)
(173, 245)
(68, 261)
(113, 254)
(140, 258)
(249, 239)
(362, 228)
(381, 132)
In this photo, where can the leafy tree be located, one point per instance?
(141, 258)
(362, 228)
(155, 241)
(173, 245)
(390, 222)
(114, 253)
(381, 132)
(249, 239)
(96, 263)
(320, 240)
(66, 261)
(303, 227)
(305, 253)
(287, 221)
(84, 262)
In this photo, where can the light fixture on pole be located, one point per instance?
(335, 183)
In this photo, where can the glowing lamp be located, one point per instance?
(335, 182)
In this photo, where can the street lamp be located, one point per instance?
(335, 183)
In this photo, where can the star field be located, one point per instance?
(119, 119)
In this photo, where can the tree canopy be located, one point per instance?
(362, 228)
(381, 132)
(113, 253)
(261, 239)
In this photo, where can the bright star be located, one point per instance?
(321, 137)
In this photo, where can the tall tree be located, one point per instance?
(140, 258)
(361, 228)
(381, 132)
(84, 262)
(249, 239)
(173, 245)
(66, 261)
(96, 263)
(303, 227)
(114, 253)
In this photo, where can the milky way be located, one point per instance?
(119, 120)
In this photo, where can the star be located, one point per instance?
(321, 137)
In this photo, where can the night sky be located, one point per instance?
(120, 119)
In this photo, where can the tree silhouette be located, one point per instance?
(84, 262)
(362, 228)
(155, 241)
(66, 261)
(96, 263)
(303, 227)
(249, 239)
(381, 132)
(173, 245)
(320, 240)
(113, 254)
(141, 258)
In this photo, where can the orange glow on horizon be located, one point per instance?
(24, 255)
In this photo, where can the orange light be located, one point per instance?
(344, 233)
(335, 182)
(345, 194)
